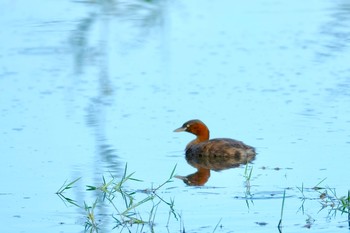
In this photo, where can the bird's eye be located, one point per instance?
(187, 126)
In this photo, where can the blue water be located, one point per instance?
(89, 86)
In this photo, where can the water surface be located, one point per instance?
(87, 87)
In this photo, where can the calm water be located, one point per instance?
(88, 86)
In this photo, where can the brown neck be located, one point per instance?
(202, 134)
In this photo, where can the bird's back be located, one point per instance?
(219, 154)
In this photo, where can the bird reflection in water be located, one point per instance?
(215, 154)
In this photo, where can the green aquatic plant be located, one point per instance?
(66, 186)
(317, 186)
(247, 176)
(327, 197)
(330, 199)
(217, 225)
(345, 204)
(90, 222)
(123, 202)
(279, 226)
(303, 198)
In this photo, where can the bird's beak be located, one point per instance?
(181, 129)
(181, 177)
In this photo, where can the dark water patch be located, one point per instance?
(261, 223)
(275, 168)
(265, 195)
(17, 129)
(5, 194)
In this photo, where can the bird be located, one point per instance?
(214, 154)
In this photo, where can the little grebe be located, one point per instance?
(215, 154)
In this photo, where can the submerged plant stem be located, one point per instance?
(282, 209)
(217, 225)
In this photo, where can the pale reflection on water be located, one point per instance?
(87, 87)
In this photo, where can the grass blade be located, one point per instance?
(282, 210)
